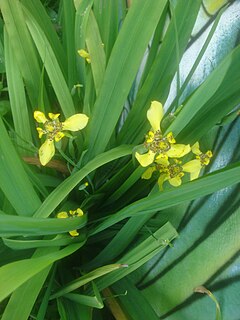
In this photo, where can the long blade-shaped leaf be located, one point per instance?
(26, 226)
(159, 78)
(14, 181)
(17, 98)
(21, 44)
(189, 191)
(217, 96)
(55, 198)
(121, 71)
(197, 267)
(16, 273)
(51, 65)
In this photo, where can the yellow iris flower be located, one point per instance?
(54, 129)
(71, 214)
(159, 147)
(202, 159)
(173, 171)
(84, 54)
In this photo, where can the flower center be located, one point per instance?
(157, 143)
(205, 158)
(175, 171)
(52, 128)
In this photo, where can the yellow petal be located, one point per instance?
(178, 150)
(62, 215)
(205, 161)
(155, 115)
(74, 233)
(83, 53)
(53, 116)
(195, 148)
(195, 175)
(170, 138)
(79, 212)
(150, 137)
(40, 117)
(209, 154)
(46, 152)
(59, 136)
(162, 159)
(40, 132)
(145, 159)
(213, 6)
(49, 126)
(161, 179)
(72, 212)
(175, 182)
(76, 213)
(76, 122)
(148, 173)
(192, 166)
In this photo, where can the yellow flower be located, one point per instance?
(158, 145)
(54, 130)
(84, 54)
(71, 214)
(173, 171)
(194, 166)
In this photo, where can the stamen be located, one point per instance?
(155, 142)
(175, 171)
(204, 158)
(53, 128)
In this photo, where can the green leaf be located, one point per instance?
(140, 254)
(94, 302)
(51, 65)
(81, 20)
(81, 281)
(22, 46)
(16, 273)
(135, 304)
(14, 181)
(68, 25)
(17, 98)
(59, 240)
(121, 241)
(164, 67)
(213, 99)
(45, 301)
(96, 50)
(4, 107)
(55, 198)
(188, 191)
(108, 15)
(71, 310)
(196, 267)
(199, 57)
(27, 226)
(23, 298)
(121, 71)
(40, 14)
